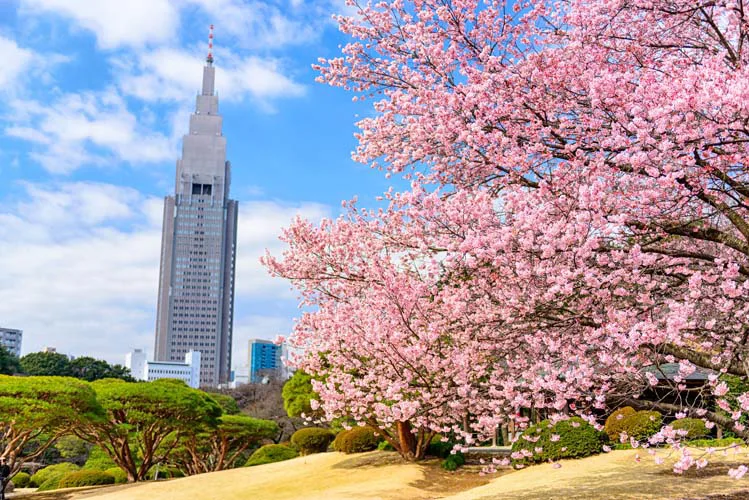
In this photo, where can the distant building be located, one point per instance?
(198, 247)
(50, 349)
(11, 339)
(265, 360)
(142, 369)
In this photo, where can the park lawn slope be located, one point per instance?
(615, 476)
(321, 476)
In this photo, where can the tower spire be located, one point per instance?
(209, 59)
(209, 72)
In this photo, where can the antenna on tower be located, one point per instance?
(209, 59)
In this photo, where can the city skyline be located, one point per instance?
(87, 150)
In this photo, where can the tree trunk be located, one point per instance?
(407, 441)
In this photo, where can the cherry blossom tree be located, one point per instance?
(578, 216)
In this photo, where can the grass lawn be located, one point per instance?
(383, 476)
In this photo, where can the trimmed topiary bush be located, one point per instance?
(98, 459)
(439, 448)
(613, 425)
(119, 475)
(271, 453)
(85, 478)
(642, 424)
(695, 427)
(357, 440)
(385, 446)
(453, 462)
(716, 443)
(51, 474)
(312, 440)
(573, 438)
(21, 480)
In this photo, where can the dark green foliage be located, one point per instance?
(85, 478)
(312, 440)
(90, 369)
(119, 475)
(453, 462)
(72, 448)
(164, 473)
(357, 440)
(385, 446)
(51, 364)
(642, 424)
(227, 403)
(695, 427)
(297, 393)
(613, 425)
(50, 475)
(98, 459)
(577, 439)
(439, 448)
(715, 443)
(271, 453)
(9, 362)
(21, 480)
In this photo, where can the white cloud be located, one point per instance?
(169, 74)
(80, 268)
(85, 128)
(22, 64)
(115, 24)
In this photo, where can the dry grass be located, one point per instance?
(383, 476)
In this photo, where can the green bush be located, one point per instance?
(452, 462)
(575, 438)
(271, 453)
(21, 480)
(48, 473)
(357, 440)
(439, 448)
(85, 478)
(119, 475)
(642, 424)
(613, 425)
(165, 472)
(312, 440)
(98, 459)
(716, 443)
(385, 446)
(695, 427)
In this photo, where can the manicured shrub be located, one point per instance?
(695, 427)
(21, 480)
(572, 438)
(85, 478)
(642, 424)
(452, 462)
(165, 472)
(439, 448)
(271, 453)
(312, 440)
(357, 440)
(613, 425)
(99, 460)
(52, 472)
(716, 443)
(119, 475)
(385, 446)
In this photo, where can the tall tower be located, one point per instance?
(198, 246)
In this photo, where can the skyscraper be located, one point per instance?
(265, 360)
(198, 246)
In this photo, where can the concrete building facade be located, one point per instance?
(12, 340)
(198, 250)
(142, 369)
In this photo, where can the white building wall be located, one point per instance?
(141, 369)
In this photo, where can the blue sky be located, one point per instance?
(96, 96)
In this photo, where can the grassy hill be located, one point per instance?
(379, 475)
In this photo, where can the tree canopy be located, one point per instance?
(84, 368)
(297, 395)
(9, 362)
(36, 411)
(144, 422)
(578, 214)
(48, 364)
